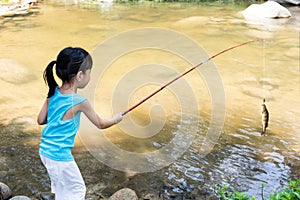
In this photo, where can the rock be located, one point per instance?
(124, 194)
(13, 72)
(5, 192)
(3, 174)
(151, 196)
(295, 2)
(293, 53)
(27, 121)
(47, 196)
(193, 21)
(269, 14)
(257, 92)
(96, 189)
(17, 8)
(20, 198)
(269, 9)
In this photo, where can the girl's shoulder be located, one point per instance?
(72, 99)
(78, 98)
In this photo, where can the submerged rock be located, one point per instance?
(5, 192)
(12, 71)
(124, 194)
(192, 21)
(293, 53)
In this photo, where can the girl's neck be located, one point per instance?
(68, 88)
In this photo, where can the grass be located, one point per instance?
(292, 192)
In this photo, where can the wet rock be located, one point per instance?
(295, 2)
(269, 13)
(47, 196)
(151, 196)
(12, 71)
(3, 174)
(124, 194)
(24, 120)
(18, 8)
(96, 190)
(20, 198)
(5, 192)
(269, 9)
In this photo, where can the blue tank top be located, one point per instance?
(58, 135)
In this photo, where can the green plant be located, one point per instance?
(225, 193)
(292, 192)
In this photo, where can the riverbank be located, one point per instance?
(21, 169)
(241, 157)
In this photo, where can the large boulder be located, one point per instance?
(269, 9)
(124, 194)
(5, 192)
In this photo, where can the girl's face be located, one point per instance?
(85, 79)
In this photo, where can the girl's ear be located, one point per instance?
(79, 76)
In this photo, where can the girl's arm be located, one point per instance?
(87, 109)
(42, 117)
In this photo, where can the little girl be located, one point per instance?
(61, 114)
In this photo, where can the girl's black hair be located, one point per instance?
(68, 63)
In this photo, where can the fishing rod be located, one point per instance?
(183, 74)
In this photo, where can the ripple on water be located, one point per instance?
(245, 165)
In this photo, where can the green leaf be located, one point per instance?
(297, 195)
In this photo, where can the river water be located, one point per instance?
(240, 156)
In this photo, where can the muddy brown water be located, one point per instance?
(241, 157)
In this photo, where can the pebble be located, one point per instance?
(20, 198)
(156, 144)
(124, 194)
(5, 191)
(3, 174)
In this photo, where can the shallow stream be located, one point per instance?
(241, 156)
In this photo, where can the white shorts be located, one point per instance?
(66, 180)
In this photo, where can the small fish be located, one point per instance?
(264, 117)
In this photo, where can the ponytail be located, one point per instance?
(68, 63)
(49, 78)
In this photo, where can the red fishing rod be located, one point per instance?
(183, 74)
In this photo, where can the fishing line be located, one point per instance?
(184, 73)
(263, 80)
(264, 68)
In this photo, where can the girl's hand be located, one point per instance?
(117, 118)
